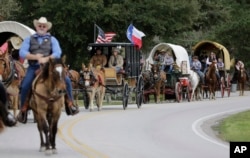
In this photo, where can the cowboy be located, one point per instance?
(99, 60)
(196, 67)
(116, 61)
(239, 64)
(38, 49)
(210, 59)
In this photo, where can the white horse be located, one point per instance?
(195, 79)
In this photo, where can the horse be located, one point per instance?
(75, 78)
(211, 80)
(196, 85)
(241, 78)
(148, 81)
(11, 74)
(6, 118)
(159, 78)
(46, 102)
(93, 82)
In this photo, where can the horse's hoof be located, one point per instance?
(42, 149)
(54, 151)
(48, 152)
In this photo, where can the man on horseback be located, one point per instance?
(196, 66)
(210, 59)
(239, 64)
(38, 49)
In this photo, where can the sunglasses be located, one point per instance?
(41, 26)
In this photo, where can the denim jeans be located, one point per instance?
(30, 76)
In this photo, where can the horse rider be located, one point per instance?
(37, 49)
(196, 67)
(98, 60)
(239, 64)
(210, 59)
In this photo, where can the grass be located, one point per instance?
(235, 127)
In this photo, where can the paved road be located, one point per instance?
(174, 130)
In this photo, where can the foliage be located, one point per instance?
(183, 22)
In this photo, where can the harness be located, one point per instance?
(10, 77)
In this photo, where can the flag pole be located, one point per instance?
(94, 32)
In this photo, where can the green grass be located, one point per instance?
(235, 127)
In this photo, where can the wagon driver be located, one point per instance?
(98, 60)
(37, 49)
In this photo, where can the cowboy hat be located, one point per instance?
(44, 21)
(16, 42)
(116, 50)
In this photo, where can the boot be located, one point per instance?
(70, 108)
(22, 115)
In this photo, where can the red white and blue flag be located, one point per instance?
(135, 36)
(104, 37)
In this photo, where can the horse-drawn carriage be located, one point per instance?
(203, 50)
(123, 83)
(178, 81)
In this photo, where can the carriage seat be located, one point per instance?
(112, 78)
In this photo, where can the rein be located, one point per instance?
(47, 99)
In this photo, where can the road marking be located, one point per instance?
(196, 126)
(73, 142)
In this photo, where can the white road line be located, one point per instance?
(196, 126)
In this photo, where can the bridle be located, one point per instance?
(10, 77)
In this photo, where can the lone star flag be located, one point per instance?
(135, 36)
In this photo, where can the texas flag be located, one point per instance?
(135, 36)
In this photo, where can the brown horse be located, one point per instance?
(6, 118)
(75, 78)
(11, 74)
(93, 80)
(241, 80)
(211, 80)
(159, 78)
(46, 102)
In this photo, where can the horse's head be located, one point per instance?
(87, 75)
(155, 69)
(54, 75)
(4, 66)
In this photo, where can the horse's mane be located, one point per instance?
(49, 66)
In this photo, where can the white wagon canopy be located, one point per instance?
(179, 54)
(9, 29)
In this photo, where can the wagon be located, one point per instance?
(202, 50)
(178, 83)
(126, 83)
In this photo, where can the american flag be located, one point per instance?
(104, 37)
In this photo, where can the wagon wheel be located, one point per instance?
(178, 92)
(139, 92)
(189, 92)
(85, 99)
(228, 83)
(125, 96)
(222, 86)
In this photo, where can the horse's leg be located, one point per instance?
(91, 97)
(40, 129)
(53, 131)
(102, 93)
